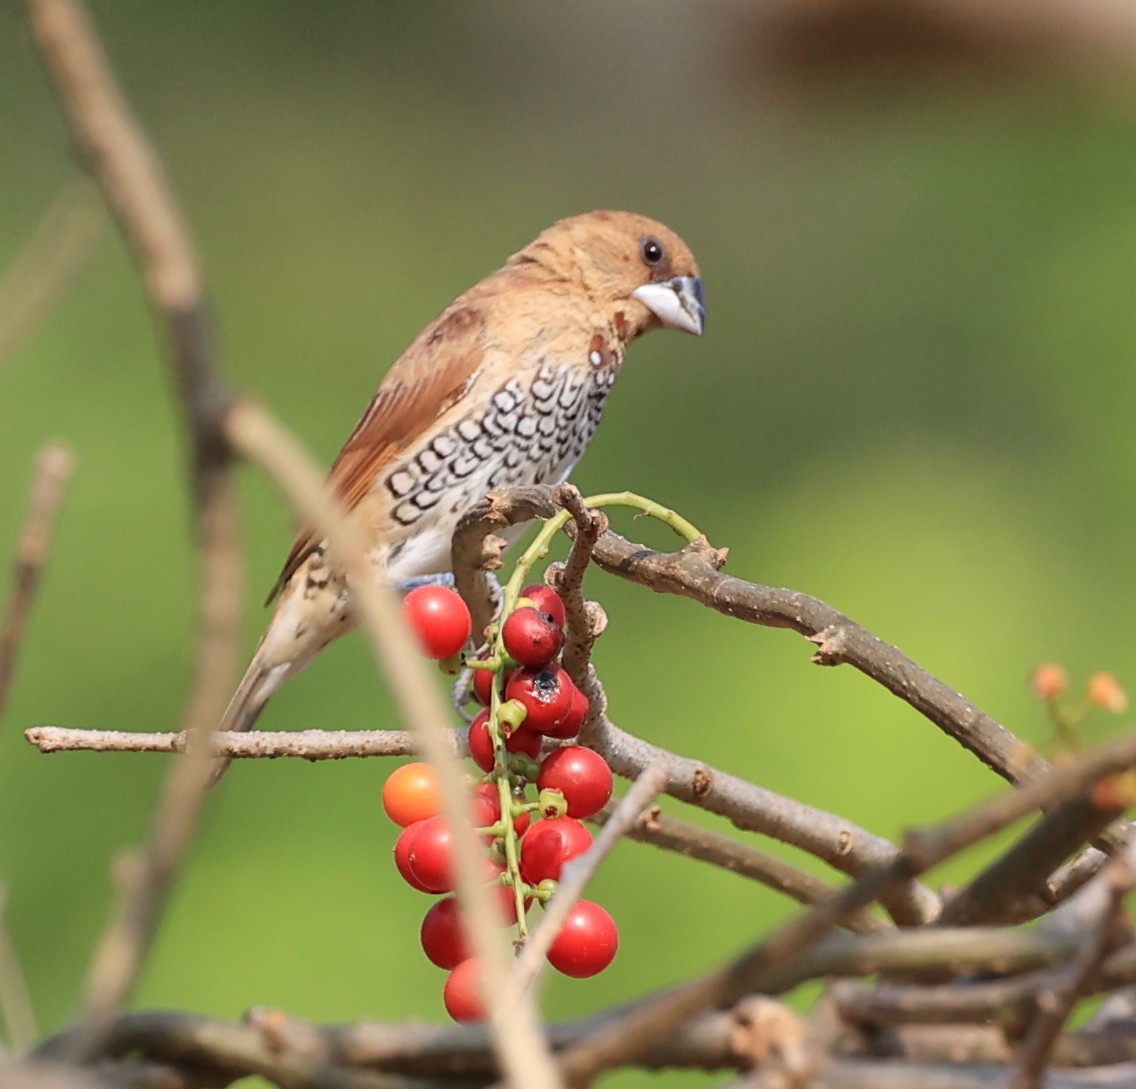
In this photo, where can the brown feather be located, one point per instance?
(429, 377)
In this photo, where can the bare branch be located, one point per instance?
(302, 744)
(701, 844)
(16, 1012)
(1019, 874)
(836, 841)
(135, 187)
(1096, 912)
(583, 630)
(694, 572)
(54, 465)
(61, 247)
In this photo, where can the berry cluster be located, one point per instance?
(527, 697)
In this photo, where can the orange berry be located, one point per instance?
(1103, 690)
(1048, 681)
(412, 793)
(1114, 791)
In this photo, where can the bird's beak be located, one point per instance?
(677, 303)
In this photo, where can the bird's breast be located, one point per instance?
(525, 429)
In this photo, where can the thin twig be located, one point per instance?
(703, 845)
(16, 1011)
(1094, 911)
(583, 627)
(838, 842)
(263, 744)
(1019, 873)
(54, 465)
(63, 244)
(579, 871)
(517, 1035)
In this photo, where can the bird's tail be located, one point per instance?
(257, 685)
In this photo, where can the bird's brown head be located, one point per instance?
(625, 261)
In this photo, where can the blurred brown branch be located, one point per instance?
(136, 190)
(61, 247)
(54, 465)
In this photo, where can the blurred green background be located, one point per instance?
(914, 400)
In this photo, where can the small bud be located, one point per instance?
(510, 715)
(1103, 690)
(1048, 681)
(552, 804)
(452, 665)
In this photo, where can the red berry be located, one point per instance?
(480, 743)
(546, 695)
(401, 860)
(481, 746)
(581, 775)
(482, 684)
(462, 993)
(439, 618)
(586, 943)
(443, 936)
(525, 741)
(547, 600)
(531, 637)
(430, 854)
(486, 806)
(547, 845)
(569, 725)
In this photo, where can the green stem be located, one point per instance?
(505, 797)
(531, 556)
(543, 540)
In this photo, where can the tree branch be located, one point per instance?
(63, 244)
(135, 187)
(53, 469)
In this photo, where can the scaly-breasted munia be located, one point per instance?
(504, 388)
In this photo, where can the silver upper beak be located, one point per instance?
(678, 303)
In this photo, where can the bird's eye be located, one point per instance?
(652, 252)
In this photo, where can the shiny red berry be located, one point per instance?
(531, 637)
(443, 935)
(546, 695)
(547, 845)
(481, 682)
(439, 618)
(568, 726)
(430, 854)
(481, 745)
(547, 600)
(401, 859)
(581, 775)
(462, 993)
(587, 942)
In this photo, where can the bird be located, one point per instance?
(504, 388)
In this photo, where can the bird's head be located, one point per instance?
(626, 262)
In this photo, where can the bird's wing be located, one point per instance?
(425, 381)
